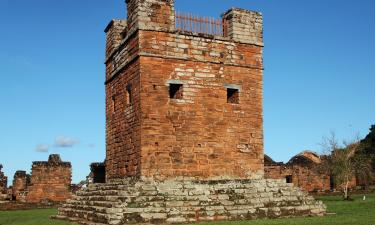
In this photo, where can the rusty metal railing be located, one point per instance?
(197, 24)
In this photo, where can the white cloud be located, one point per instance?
(42, 148)
(65, 142)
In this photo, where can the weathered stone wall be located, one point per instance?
(178, 201)
(3, 185)
(201, 134)
(50, 180)
(184, 121)
(309, 179)
(21, 182)
(151, 14)
(245, 26)
(304, 170)
(115, 34)
(3, 181)
(123, 140)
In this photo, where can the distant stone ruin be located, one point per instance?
(3, 184)
(50, 181)
(304, 170)
(21, 181)
(184, 123)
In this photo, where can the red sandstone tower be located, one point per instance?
(184, 100)
(184, 95)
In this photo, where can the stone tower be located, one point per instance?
(184, 130)
(183, 104)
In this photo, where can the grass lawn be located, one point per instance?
(358, 212)
(30, 217)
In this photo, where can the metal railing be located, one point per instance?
(197, 24)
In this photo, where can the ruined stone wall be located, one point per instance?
(21, 182)
(50, 180)
(303, 170)
(308, 179)
(276, 171)
(3, 181)
(203, 133)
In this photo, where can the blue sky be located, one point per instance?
(319, 75)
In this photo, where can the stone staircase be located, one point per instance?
(96, 203)
(178, 201)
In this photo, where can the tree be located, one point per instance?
(368, 144)
(364, 170)
(344, 163)
(364, 174)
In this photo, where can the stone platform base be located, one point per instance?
(146, 201)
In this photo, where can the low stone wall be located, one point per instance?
(13, 205)
(146, 201)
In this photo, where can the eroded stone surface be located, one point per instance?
(178, 105)
(21, 181)
(50, 181)
(179, 201)
(3, 184)
(304, 170)
(203, 132)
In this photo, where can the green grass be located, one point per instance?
(30, 217)
(357, 212)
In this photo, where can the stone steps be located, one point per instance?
(77, 220)
(107, 204)
(96, 204)
(188, 201)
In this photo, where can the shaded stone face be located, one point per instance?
(50, 180)
(195, 104)
(3, 181)
(97, 174)
(21, 182)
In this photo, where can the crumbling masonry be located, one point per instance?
(184, 127)
(50, 181)
(21, 182)
(304, 170)
(3, 183)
